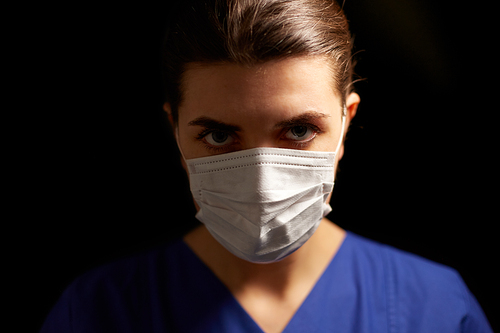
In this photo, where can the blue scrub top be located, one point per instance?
(367, 287)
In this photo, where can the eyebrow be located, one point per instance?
(211, 123)
(300, 119)
(214, 124)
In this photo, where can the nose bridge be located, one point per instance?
(258, 135)
(260, 142)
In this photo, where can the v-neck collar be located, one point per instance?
(302, 317)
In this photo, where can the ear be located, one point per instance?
(168, 109)
(352, 103)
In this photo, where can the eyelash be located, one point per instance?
(296, 144)
(216, 149)
(204, 133)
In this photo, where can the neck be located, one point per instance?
(279, 278)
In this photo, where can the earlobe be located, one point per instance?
(168, 109)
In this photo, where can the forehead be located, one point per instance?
(299, 83)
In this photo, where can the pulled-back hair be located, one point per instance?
(248, 32)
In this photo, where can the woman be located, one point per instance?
(259, 94)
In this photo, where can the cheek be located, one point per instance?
(329, 197)
(326, 142)
(184, 166)
(183, 163)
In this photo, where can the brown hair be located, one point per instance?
(248, 32)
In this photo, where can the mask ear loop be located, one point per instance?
(177, 141)
(344, 114)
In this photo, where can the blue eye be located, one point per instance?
(218, 138)
(300, 133)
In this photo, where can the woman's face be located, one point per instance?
(284, 104)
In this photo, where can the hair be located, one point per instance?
(249, 32)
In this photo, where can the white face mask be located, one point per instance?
(262, 204)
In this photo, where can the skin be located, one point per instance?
(288, 103)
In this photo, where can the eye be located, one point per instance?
(218, 138)
(300, 133)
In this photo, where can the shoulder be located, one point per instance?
(101, 299)
(406, 270)
(405, 267)
(419, 292)
(127, 272)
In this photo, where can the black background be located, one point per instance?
(100, 177)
